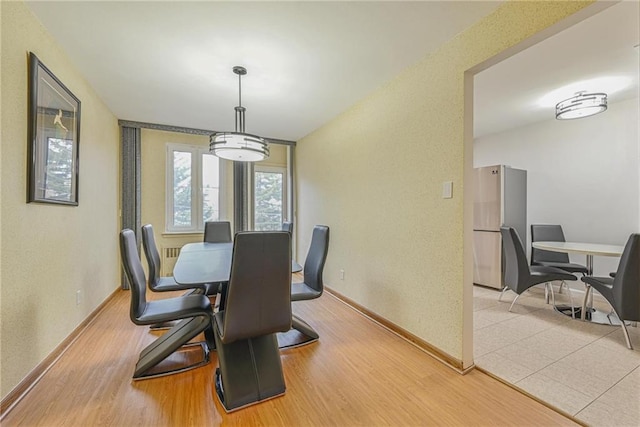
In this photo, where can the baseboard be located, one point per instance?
(21, 390)
(531, 396)
(434, 352)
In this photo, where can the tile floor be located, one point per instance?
(582, 368)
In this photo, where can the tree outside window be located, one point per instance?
(268, 200)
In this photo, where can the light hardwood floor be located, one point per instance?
(358, 373)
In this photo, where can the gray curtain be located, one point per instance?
(131, 208)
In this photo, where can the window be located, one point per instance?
(269, 198)
(194, 188)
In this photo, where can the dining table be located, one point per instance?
(200, 263)
(589, 250)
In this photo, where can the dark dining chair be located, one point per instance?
(552, 233)
(156, 282)
(258, 306)
(623, 290)
(193, 313)
(313, 285)
(217, 232)
(519, 276)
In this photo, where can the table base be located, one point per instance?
(592, 315)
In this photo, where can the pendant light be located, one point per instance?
(239, 146)
(581, 105)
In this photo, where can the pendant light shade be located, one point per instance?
(239, 146)
(581, 105)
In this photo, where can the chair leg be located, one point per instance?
(624, 330)
(549, 286)
(502, 293)
(626, 334)
(583, 315)
(514, 301)
(546, 293)
(171, 342)
(573, 307)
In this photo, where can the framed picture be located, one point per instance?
(54, 136)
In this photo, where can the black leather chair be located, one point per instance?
(288, 227)
(552, 233)
(519, 276)
(258, 306)
(193, 312)
(217, 232)
(623, 290)
(156, 282)
(313, 286)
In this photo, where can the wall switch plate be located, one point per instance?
(447, 190)
(341, 274)
(78, 297)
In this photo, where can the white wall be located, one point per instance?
(582, 174)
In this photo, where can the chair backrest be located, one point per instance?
(135, 273)
(151, 252)
(626, 283)
(517, 273)
(217, 232)
(316, 257)
(288, 227)
(547, 233)
(259, 291)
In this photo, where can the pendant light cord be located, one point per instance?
(240, 90)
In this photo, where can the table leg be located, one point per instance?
(588, 302)
(589, 265)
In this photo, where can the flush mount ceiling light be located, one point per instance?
(239, 146)
(581, 105)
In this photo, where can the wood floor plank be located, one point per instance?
(358, 373)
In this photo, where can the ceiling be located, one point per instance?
(170, 62)
(596, 55)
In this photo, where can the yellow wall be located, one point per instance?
(375, 174)
(48, 251)
(277, 156)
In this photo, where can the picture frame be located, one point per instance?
(53, 138)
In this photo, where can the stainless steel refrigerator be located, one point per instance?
(500, 198)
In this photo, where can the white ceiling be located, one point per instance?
(170, 62)
(596, 55)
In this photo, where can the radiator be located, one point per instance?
(169, 257)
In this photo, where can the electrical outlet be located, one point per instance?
(341, 274)
(78, 297)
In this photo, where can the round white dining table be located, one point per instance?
(590, 250)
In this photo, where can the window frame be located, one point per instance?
(197, 222)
